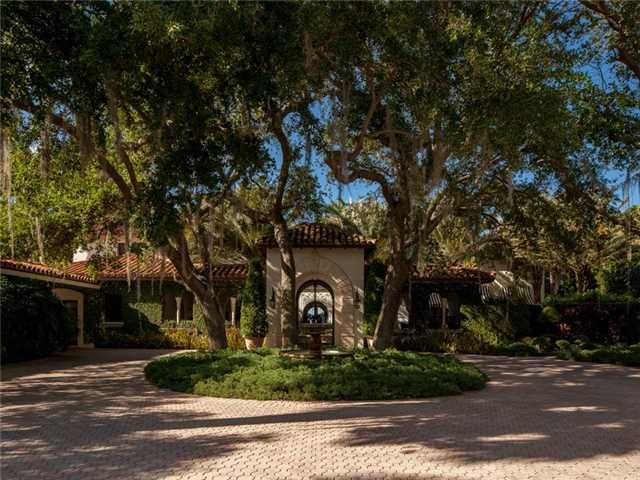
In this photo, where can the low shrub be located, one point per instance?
(618, 354)
(516, 349)
(442, 341)
(563, 345)
(544, 344)
(166, 338)
(550, 315)
(264, 375)
(34, 322)
(498, 324)
(235, 340)
(488, 323)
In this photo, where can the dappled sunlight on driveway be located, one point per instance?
(91, 414)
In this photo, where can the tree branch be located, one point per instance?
(56, 120)
(112, 107)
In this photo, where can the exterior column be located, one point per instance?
(178, 305)
(444, 302)
(233, 311)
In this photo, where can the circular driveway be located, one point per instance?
(89, 414)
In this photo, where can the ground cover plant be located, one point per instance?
(266, 375)
(620, 354)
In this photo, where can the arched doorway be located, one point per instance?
(316, 306)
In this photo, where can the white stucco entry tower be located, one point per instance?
(327, 256)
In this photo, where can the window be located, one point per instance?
(186, 306)
(169, 307)
(315, 302)
(316, 307)
(315, 312)
(121, 248)
(113, 307)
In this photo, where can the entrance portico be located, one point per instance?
(329, 280)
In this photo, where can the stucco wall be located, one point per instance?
(341, 268)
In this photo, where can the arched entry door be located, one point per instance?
(316, 306)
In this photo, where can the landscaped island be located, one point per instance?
(266, 375)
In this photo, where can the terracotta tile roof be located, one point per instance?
(454, 274)
(116, 269)
(321, 235)
(46, 270)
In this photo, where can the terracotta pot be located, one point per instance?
(253, 342)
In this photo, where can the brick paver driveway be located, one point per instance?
(92, 415)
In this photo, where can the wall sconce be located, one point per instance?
(356, 299)
(272, 301)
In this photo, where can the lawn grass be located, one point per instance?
(266, 375)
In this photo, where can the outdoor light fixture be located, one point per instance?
(272, 302)
(356, 299)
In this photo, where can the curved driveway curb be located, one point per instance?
(90, 414)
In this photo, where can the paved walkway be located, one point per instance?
(91, 415)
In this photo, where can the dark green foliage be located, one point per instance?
(169, 338)
(265, 375)
(34, 322)
(623, 277)
(443, 341)
(373, 291)
(618, 354)
(142, 311)
(592, 296)
(492, 325)
(517, 349)
(253, 313)
(604, 318)
(94, 306)
(422, 316)
(550, 315)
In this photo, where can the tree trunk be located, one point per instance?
(288, 306)
(536, 283)
(212, 300)
(394, 282)
(584, 278)
(39, 240)
(213, 315)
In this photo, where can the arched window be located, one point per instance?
(315, 312)
(315, 305)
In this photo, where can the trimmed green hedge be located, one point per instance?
(167, 338)
(604, 318)
(265, 375)
(34, 322)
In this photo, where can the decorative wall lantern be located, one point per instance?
(272, 300)
(356, 299)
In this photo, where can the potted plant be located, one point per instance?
(253, 316)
